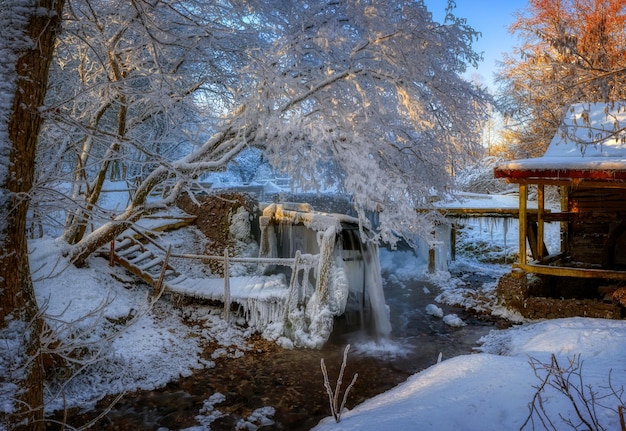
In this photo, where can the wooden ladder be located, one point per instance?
(133, 255)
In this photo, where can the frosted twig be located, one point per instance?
(583, 399)
(333, 396)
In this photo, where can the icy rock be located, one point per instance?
(453, 320)
(240, 225)
(433, 310)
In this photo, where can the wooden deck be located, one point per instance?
(132, 254)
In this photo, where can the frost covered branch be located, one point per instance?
(333, 396)
(568, 381)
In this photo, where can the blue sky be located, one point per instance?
(490, 17)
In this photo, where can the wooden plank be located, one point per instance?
(120, 245)
(574, 184)
(531, 236)
(133, 269)
(568, 216)
(177, 280)
(562, 271)
(548, 259)
(151, 264)
(485, 212)
(562, 173)
(537, 249)
(141, 257)
(130, 250)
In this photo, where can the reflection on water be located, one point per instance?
(291, 380)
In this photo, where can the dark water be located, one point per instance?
(291, 380)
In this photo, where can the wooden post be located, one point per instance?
(226, 287)
(540, 230)
(431, 260)
(453, 241)
(523, 197)
(564, 224)
(158, 288)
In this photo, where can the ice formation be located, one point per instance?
(345, 273)
(331, 271)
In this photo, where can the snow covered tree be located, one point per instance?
(368, 97)
(572, 51)
(27, 30)
(129, 80)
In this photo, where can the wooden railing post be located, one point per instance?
(432, 266)
(158, 288)
(453, 241)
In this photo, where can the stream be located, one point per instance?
(290, 381)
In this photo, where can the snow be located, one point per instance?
(466, 392)
(433, 310)
(261, 298)
(488, 390)
(599, 124)
(11, 363)
(480, 201)
(470, 392)
(591, 137)
(453, 320)
(131, 343)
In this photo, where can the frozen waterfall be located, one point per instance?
(339, 276)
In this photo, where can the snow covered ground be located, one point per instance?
(494, 389)
(489, 390)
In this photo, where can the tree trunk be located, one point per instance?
(76, 230)
(19, 315)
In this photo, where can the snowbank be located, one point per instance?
(492, 390)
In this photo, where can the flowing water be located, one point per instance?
(291, 381)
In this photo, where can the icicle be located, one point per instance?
(374, 288)
(505, 230)
(341, 271)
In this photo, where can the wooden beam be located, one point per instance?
(575, 183)
(523, 197)
(537, 248)
(561, 271)
(562, 173)
(482, 212)
(581, 216)
(564, 227)
(540, 208)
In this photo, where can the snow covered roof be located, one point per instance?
(590, 144)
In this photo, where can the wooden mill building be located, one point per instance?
(586, 162)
